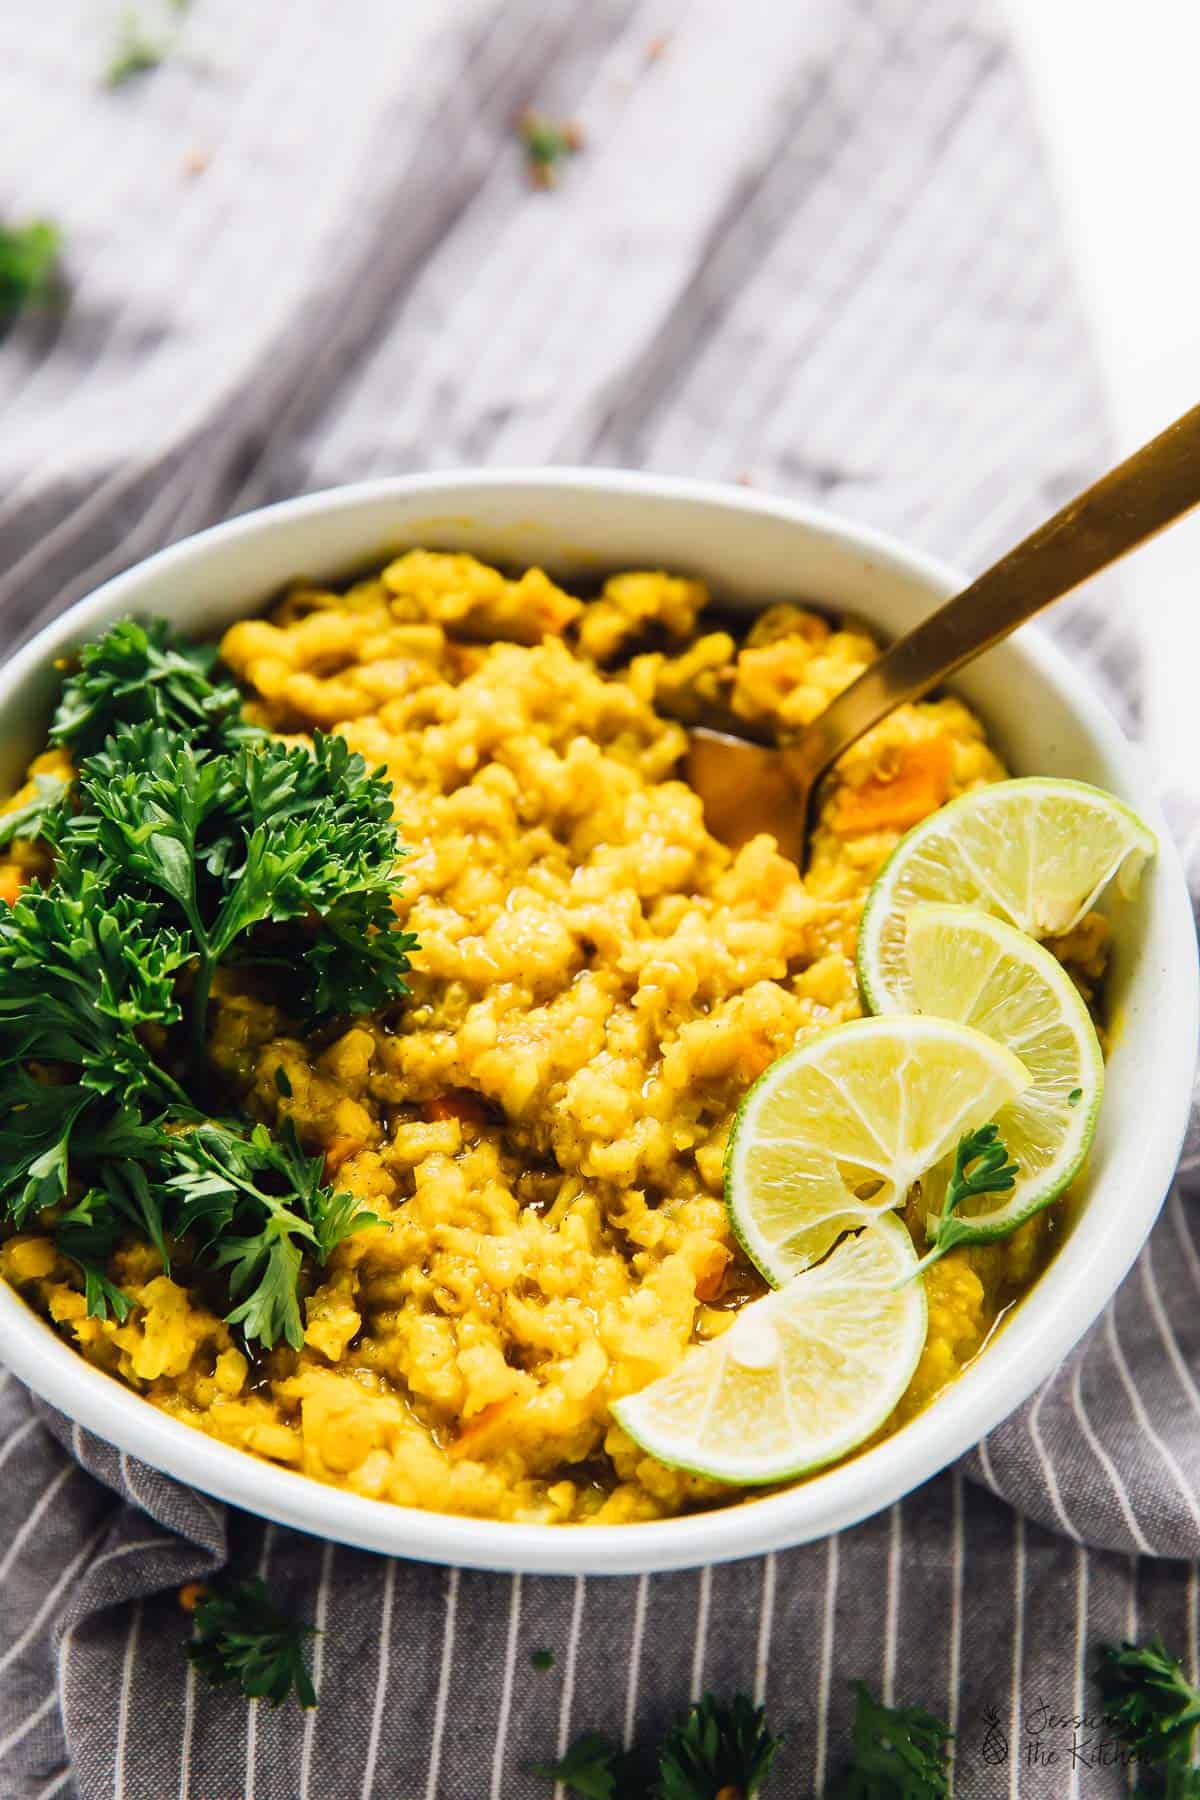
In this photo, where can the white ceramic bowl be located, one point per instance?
(752, 549)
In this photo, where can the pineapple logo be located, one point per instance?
(994, 1749)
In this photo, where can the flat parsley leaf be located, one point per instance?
(547, 144)
(589, 1769)
(257, 1203)
(88, 1233)
(981, 1166)
(899, 1753)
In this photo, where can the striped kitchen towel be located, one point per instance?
(808, 245)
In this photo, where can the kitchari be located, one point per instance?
(376, 1010)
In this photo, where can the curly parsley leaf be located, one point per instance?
(28, 266)
(261, 835)
(83, 972)
(258, 1203)
(241, 1636)
(145, 674)
(83, 981)
(32, 818)
(898, 1753)
(718, 1746)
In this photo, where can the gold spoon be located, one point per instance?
(751, 780)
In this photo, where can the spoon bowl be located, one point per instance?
(747, 787)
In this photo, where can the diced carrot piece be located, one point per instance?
(458, 1104)
(710, 1272)
(919, 787)
(340, 1151)
(191, 1594)
(10, 886)
(473, 1438)
(755, 1054)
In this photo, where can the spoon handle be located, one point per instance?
(1155, 486)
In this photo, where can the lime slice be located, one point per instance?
(800, 1377)
(1036, 852)
(834, 1134)
(965, 965)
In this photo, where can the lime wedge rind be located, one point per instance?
(1019, 991)
(801, 1168)
(1036, 851)
(801, 1378)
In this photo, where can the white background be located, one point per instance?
(1117, 89)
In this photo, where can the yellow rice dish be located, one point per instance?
(541, 1126)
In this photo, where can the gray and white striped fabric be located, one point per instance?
(808, 245)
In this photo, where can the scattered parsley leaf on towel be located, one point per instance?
(719, 1747)
(547, 144)
(589, 1768)
(898, 1753)
(719, 1750)
(29, 257)
(1154, 1709)
(243, 1637)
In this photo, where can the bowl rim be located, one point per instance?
(839, 1497)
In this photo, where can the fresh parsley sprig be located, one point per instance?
(981, 1166)
(88, 1234)
(188, 840)
(84, 981)
(87, 1107)
(1154, 1709)
(241, 1636)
